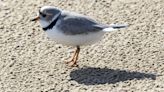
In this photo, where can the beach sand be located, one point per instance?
(128, 60)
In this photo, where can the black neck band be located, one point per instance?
(53, 23)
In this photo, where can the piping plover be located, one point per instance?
(72, 29)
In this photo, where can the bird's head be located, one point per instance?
(46, 15)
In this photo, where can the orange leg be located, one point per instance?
(73, 62)
(72, 59)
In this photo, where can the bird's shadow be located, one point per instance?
(95, 76)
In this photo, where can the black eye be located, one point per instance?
(44, 15)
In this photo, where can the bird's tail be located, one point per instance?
(113, 27)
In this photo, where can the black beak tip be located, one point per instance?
(32, 19)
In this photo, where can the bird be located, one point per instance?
(72, 29)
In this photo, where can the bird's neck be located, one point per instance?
(52, 23)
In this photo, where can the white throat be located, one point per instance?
(44, 23)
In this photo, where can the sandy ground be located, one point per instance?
(129, 60)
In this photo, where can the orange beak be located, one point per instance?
(36, 19)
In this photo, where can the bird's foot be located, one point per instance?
(71, 63)
(67, 62)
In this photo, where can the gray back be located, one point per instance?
(72, 24)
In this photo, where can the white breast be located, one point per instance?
(74, 40)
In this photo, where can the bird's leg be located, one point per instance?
(74, 62)
(72, 59)
(74, 55)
